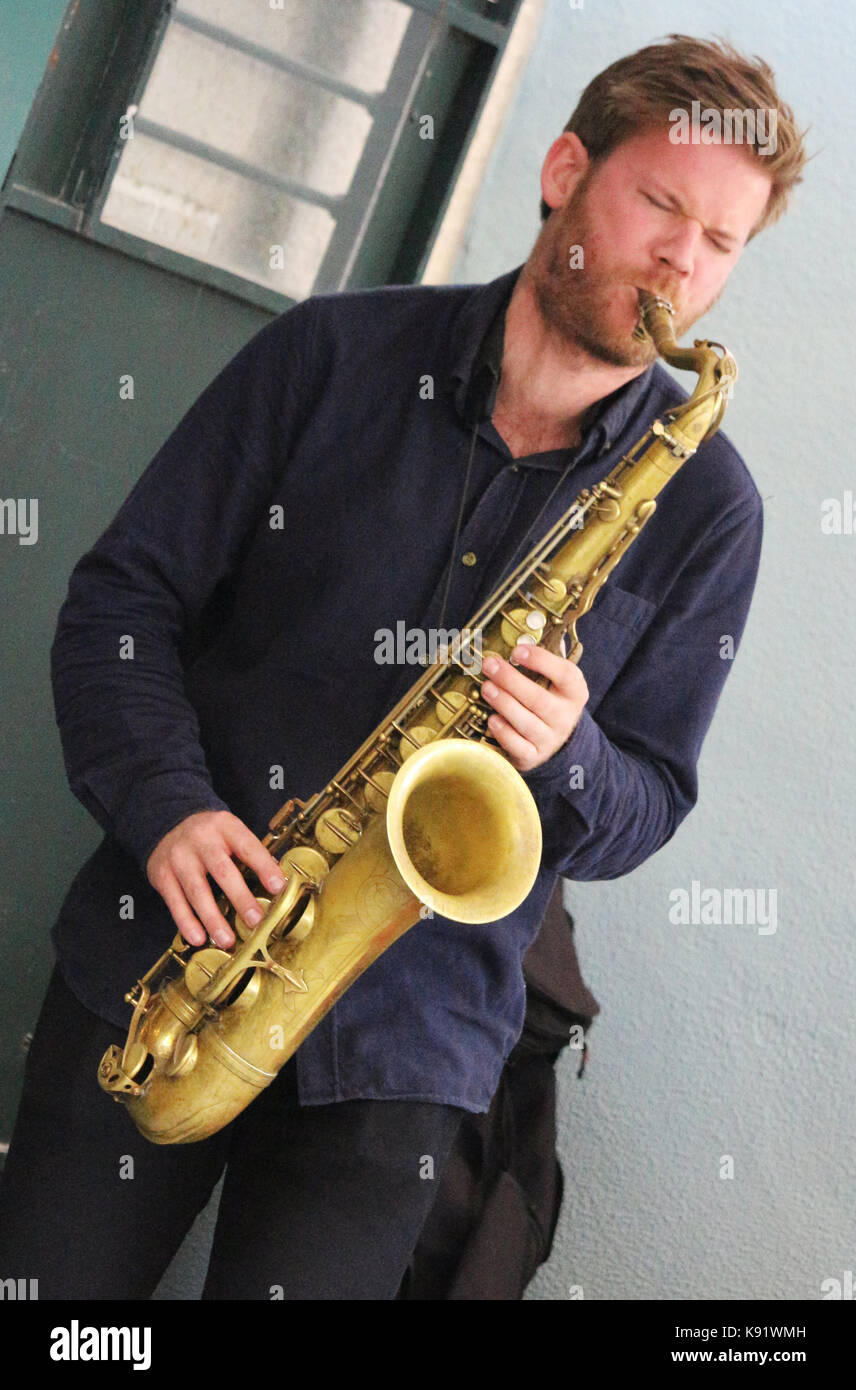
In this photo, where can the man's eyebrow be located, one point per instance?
(676, 202)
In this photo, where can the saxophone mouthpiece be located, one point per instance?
(647, 302)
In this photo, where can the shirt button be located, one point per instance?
(469, 558)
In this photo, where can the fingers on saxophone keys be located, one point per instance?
(252, 852)
(524, 690)
(201, 900)
(564, 675)
(519, 720)
(520, 750)
(188, 925)
(234, 885)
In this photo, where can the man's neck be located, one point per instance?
(547, 385)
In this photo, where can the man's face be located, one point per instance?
(654, 215)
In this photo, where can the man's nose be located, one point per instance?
(680, 249)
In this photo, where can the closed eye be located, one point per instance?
(664, 207)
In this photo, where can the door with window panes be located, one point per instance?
(188, 170)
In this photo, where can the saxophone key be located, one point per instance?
(336, 830)
(203, 966)
(414, 739)
(448, 705)
(608, 509)
(522, 624)
(554, 590)
(377, 787)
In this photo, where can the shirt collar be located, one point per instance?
(476, 370)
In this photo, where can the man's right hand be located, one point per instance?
(203, 844)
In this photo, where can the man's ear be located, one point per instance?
(564, 165)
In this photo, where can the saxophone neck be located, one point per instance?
(655, 315)
(716, 368)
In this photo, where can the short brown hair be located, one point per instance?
(640, 91)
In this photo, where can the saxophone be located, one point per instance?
(427, 816)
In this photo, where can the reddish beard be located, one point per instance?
(576, 302)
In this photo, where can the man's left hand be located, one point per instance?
(533, 721)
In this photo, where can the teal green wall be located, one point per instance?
(27, 32)
(74, 317)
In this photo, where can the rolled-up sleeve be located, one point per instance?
(620, 786)
(130, 737)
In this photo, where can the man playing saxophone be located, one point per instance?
(367, 457)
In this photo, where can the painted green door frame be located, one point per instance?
(82, 309)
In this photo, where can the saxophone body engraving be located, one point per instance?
(426, 816)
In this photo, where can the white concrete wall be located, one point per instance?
(716, 1040)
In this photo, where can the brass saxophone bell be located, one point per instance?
(464, 831)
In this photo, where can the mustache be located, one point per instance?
(664, 289)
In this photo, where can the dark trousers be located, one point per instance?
(319, 1202)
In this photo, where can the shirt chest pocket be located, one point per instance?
(609, 632)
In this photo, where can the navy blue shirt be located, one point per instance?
(254, 649)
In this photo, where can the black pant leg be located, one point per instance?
(68, 1216)
(326, 1202)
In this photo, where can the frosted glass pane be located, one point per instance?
(258, 113)
(192, 206)
(356, 41)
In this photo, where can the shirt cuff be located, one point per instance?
(157, 807)
(582, 750)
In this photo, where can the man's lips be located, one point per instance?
(659, 293)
